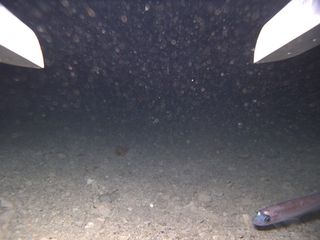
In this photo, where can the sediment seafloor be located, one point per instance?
(63, 181)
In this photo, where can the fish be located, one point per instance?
(286, 211)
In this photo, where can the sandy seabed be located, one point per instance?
(59, 181)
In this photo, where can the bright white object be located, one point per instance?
(18, 43)
(292, 31)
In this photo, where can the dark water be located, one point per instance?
(174, 78)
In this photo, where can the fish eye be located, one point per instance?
(267, 219)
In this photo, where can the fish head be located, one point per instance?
(262, 219)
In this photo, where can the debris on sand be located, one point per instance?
(121, 150)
